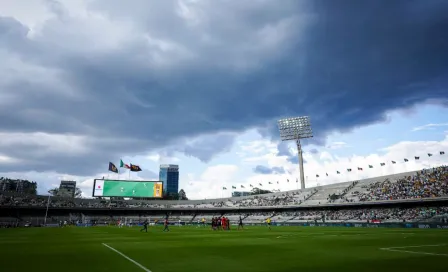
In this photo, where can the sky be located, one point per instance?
(202, 83)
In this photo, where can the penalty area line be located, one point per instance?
(385, 248)
(127, 258)
(400, 249)
(414, 252)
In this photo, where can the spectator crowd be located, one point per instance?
(423, 184)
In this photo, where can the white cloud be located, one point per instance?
(337, 145)
(6, 159)
(429, 126)
(326, 156)
(162, 159)
(210, 183)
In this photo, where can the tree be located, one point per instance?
(54, 191)
(182, 195)
(78, 193)
(171, 196)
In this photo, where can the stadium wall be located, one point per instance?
(18, 211)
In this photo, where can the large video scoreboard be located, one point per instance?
(127, 188)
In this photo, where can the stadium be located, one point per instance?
(308, 135)
(378, 221)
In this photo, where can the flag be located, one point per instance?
(382, 164)
(269, 182)
(242, 186)
(370, 166)
(224, 188)
(135, 168)
(394, 162)
(417, 158)
(277, 182)
(359, 168)
(349, 170)
(317, 176)
(429, 154)
(326, 174)
(442, 152)
(260, 184)
(337, 172)
(406, 160)
(124, 165)
(287, 180)
(251, 185)
(233, 187)
(113, 168)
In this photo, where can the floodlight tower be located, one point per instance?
(296, 128)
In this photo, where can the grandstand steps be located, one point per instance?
(292, 218)
(310, 196)
(349, 188)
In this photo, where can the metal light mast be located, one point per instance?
(296, 128)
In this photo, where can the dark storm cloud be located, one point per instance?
(204, 148)
(344, 63)
(264, 170)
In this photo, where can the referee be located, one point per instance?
(145, 226)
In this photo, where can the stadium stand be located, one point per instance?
(415, 197)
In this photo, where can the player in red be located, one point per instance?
(223, 223)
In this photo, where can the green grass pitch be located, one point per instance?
(187, 249)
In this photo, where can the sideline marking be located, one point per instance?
(394, 249)
(126, 257)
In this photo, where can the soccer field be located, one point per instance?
(200, 249)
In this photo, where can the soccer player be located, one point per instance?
(268, 222)
(240, 224)
(145, 226)
(223, 223)
(166, 225)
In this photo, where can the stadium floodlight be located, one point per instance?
(48, 205)
(296, 128)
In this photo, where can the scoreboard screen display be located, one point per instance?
(127, 188)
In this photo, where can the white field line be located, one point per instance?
(414, 246)
(394, 249)
(126, 257)
(416, 252)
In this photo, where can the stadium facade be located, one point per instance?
(169, 175)
(17, 186)
(67, 188)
